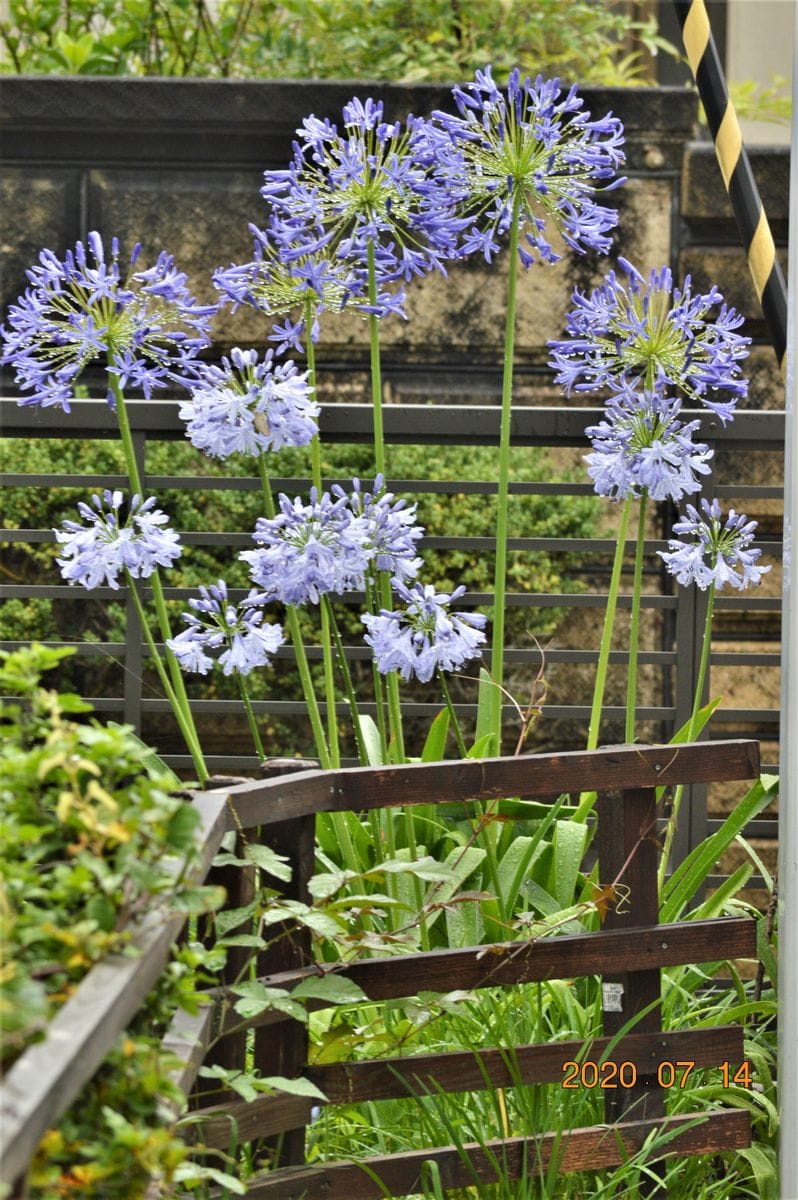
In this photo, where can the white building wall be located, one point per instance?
(759, 46)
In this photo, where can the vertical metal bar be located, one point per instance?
(788, 804)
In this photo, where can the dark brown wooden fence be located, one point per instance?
(628, 953)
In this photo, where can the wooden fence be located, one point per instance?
(627, 954)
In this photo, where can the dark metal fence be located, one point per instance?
(744, 662)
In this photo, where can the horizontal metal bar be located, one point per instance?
(442, 424)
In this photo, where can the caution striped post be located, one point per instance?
(735, 167)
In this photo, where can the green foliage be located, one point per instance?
(93, 837)
(407, 40)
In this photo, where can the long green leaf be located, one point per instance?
(434, 749)
(484, 728)
(569, 847)
(371, 740)
(692, 873)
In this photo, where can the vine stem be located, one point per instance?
(295, 633)
(178, 694)
(706, 648)
(502, 500)
(634, 628)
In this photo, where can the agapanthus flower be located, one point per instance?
(143, 323)
(371, 189)
(286, 280)
(386, 528)
(215, 623)
(714, 551)
(248, 407)
(655, 334)
(425, 635)
(307, 550)
(642, 443)
(532, 150)
(113, 542)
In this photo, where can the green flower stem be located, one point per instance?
(458, 733)
(253, 725)
(376, 370)
(362, 753)
(502, 501)
(186, 727)
(179, 694)
(326, 640)
(295, 633)
(379, 683)
(588, 799)
(706, 649)
(634, 629)
(391, 682)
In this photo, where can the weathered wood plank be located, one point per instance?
(593, 1148)
(46, 1078)
(567, 957)
(460, 1071)
(628, 856)
(539, 775)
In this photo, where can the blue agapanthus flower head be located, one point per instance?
(248, 407)
(143, 323)
(424, 635)
(308, 550)
(651, 333)
(368, 191)
(237, 630)
(532, 150)
(114, 542)
(642, 444)
(290, 276)
(713, 550)
(386, 528)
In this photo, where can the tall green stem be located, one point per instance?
(609, 621)
(588, 799)
(455, 724)
(186, 727)
(178, 689)
(634, 628)
(326, 639)
(384, 586)
(692, 731)
(500, 579)
(253, 724)
(349, 687)
(374, 363)
(295, 633)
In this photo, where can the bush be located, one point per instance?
(409, 40)
(94, 836)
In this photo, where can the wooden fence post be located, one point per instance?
(283, 1049)
(628, 856)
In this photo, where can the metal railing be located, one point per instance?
(676, 614)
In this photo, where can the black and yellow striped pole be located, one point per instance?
(735, 168)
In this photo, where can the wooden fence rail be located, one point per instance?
(627, 953)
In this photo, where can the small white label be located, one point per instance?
(612, 997)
